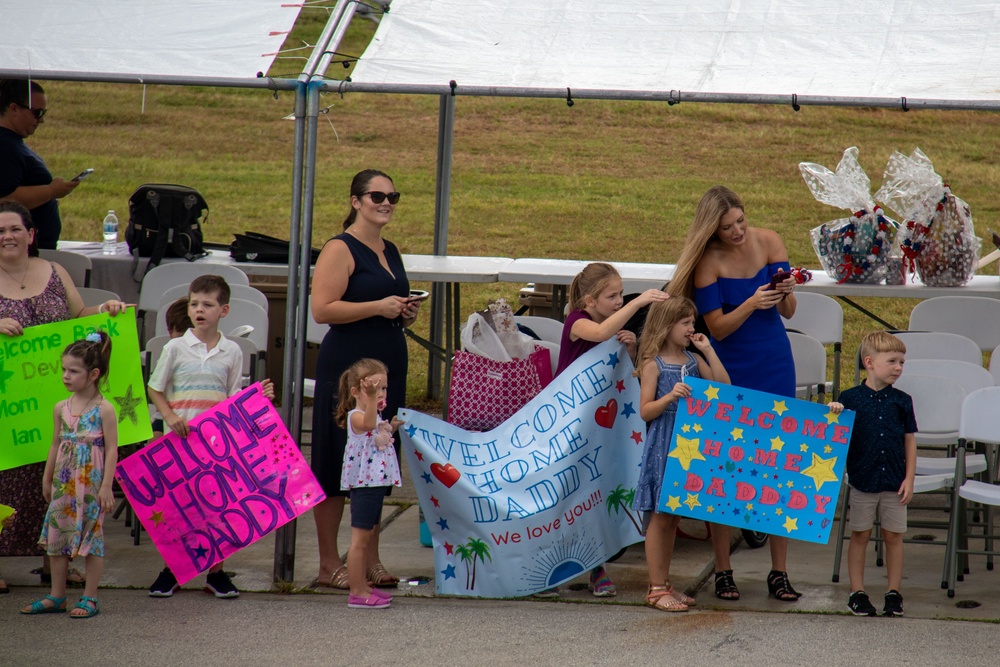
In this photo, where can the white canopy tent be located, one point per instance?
(142, 40)
(829, 48)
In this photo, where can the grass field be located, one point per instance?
(531, 178)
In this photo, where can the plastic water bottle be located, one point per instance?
(110, 227)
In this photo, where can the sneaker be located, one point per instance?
(893, 604)
(378, 592)
(219, 584)
(861, 605)
(165, 585)
(601, 585)
(370, 602)
(547, 593)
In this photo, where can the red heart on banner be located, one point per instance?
(605, 416)
(446, 474)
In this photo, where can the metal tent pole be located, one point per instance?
(442, 198)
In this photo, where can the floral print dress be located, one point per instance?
(74, 523)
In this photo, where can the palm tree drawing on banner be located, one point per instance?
(474, 550)
(621, 499)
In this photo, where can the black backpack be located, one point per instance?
(165, 221)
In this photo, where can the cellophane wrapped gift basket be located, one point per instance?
(937, 240)
(856, 249)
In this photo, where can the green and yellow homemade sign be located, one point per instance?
(31, 384)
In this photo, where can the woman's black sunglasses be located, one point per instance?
(379, 197)
(37, 113)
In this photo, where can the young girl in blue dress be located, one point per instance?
(664, 363)
(370, 469)
(78, 476)
(598, 313)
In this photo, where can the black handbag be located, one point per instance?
(256, 247)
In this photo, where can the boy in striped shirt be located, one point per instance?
(195, 372)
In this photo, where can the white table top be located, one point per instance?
(824, 284)
(93, 250)
(562, 271)
(454, 268)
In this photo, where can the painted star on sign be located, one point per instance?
(612, 359)
(201, 551)
(821, 470)
(736, 433)
(803, 447)
(739, 397)
(686, 428)
(443, 523)
(411, 430)
(832, 417)
(712, 393)
(780, 407)
(685, 451)
(448, 572)
(776, 444)
(674, 503)
(126, 406)
(827, 449)
(628, 410)
(157, 518)
(620, 386)
(692, 501)
(697, 428)
(790, 524)
(437, 503)
(710, 509)
(416, 452)
(449, 549)
(637, 437)
(427, 477)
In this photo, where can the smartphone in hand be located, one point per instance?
(417, 295)
(83, 174)
(779, 277)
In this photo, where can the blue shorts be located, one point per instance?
(366, 506)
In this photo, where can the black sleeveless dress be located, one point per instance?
(374, 337)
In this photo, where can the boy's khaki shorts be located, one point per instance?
(891, 512)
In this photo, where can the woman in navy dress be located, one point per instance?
(726, 268)
(361, 290)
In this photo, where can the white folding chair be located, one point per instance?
(975, 317)
(995, 365)
(932, 345)
(165, 276)
(79, 267)
(545, 327)
(979, 423)
(809, 356)
(93, 296)
(243, 313)
(821, 317)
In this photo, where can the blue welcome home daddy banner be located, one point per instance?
(754, 460)
(542, 498)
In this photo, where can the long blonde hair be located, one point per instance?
(713, 205)
(660, 319)
(351, 379)
(590, 282)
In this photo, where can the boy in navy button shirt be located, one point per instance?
(881, 465)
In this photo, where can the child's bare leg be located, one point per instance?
(59, 565)
(856, 558)
(328, 515)
(657, 554)
(357, 555)
(215, 568)
(95, 568)
(893, 558)
(371, 556)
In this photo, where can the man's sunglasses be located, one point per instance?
(37, 113)
(379, 197)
